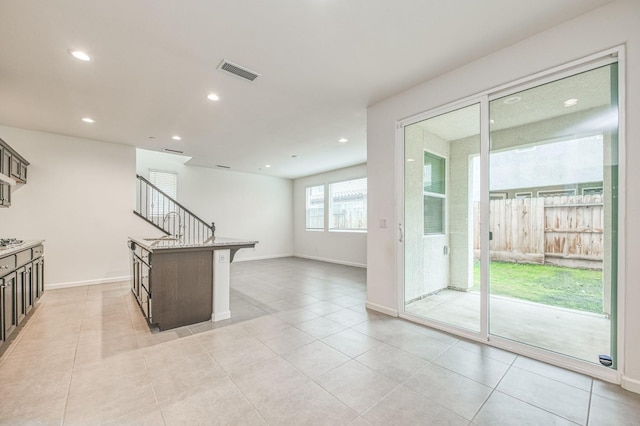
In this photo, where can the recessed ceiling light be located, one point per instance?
(570, 102)
(79, 54)
(409, 160)
(343, 140)
(213, 97)
(492, 121)
(267, 165)
(176, 138)
(512, 100)
(88, 120)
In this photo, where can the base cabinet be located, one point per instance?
(173, 288)
(21, 286)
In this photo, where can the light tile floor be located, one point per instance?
(299, 349)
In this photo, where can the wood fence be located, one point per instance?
(563, 230)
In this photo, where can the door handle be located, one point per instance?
(401, 234)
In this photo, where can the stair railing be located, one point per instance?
(168, 215)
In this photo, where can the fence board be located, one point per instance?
(569, 227)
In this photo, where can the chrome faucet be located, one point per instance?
(166, 217)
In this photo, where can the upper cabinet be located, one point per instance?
(13, 169)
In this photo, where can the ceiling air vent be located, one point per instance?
(220, 166)
(236, 69)
(173, 151)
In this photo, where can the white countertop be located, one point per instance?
(171, 243)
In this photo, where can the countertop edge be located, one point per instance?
(231, 243)
(24, 246)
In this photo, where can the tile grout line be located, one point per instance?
(495, 389)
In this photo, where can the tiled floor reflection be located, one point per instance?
(300, 348)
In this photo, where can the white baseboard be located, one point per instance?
(383, 309)
(632, 385)
(221, 316)
(249, 259)
(323, 259)
(87, 282)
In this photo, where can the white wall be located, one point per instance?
(242, 205)
(79, 198)
(349, 248)
(603, 28)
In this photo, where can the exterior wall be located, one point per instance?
(349, 248)
(242, 205)
(566, 42)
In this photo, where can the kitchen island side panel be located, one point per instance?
(182, 288)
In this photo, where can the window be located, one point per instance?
(315, 207)
(557, 193)
(434, 194)
(167, 182)
(348, 205)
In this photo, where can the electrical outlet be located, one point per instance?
(383, 223)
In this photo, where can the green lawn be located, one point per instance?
(552, 285)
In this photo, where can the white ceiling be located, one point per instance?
(322, 62)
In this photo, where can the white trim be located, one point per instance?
(221, 316)
(400, 231)
(622, 201)
(324, 259)
(485, 199)
(87, 282)
(630, 384)
(249, 259)
(380, 308)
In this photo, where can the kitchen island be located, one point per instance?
(178, 284)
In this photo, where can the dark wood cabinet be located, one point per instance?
(21, 285)
(8, 315)
(5, 194)
(13, 166)
(173, 288)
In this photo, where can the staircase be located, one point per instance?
(169, 216)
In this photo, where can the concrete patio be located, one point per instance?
(582, 335)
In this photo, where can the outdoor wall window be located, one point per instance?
(315, 207)
(434, 194)
(348, 205)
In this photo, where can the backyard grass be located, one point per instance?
(551, 285)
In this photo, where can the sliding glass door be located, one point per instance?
(509, 220)
(553, 203)
(441, 196)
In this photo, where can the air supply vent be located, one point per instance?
(173, 151)
(238, 70)
(220, 166)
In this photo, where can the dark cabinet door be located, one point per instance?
(28, 288)
(5, 161)
(16, 167)
(37, 279)
(8, 313)
(5, 195)
(20, 291)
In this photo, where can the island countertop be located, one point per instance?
(172, 243)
